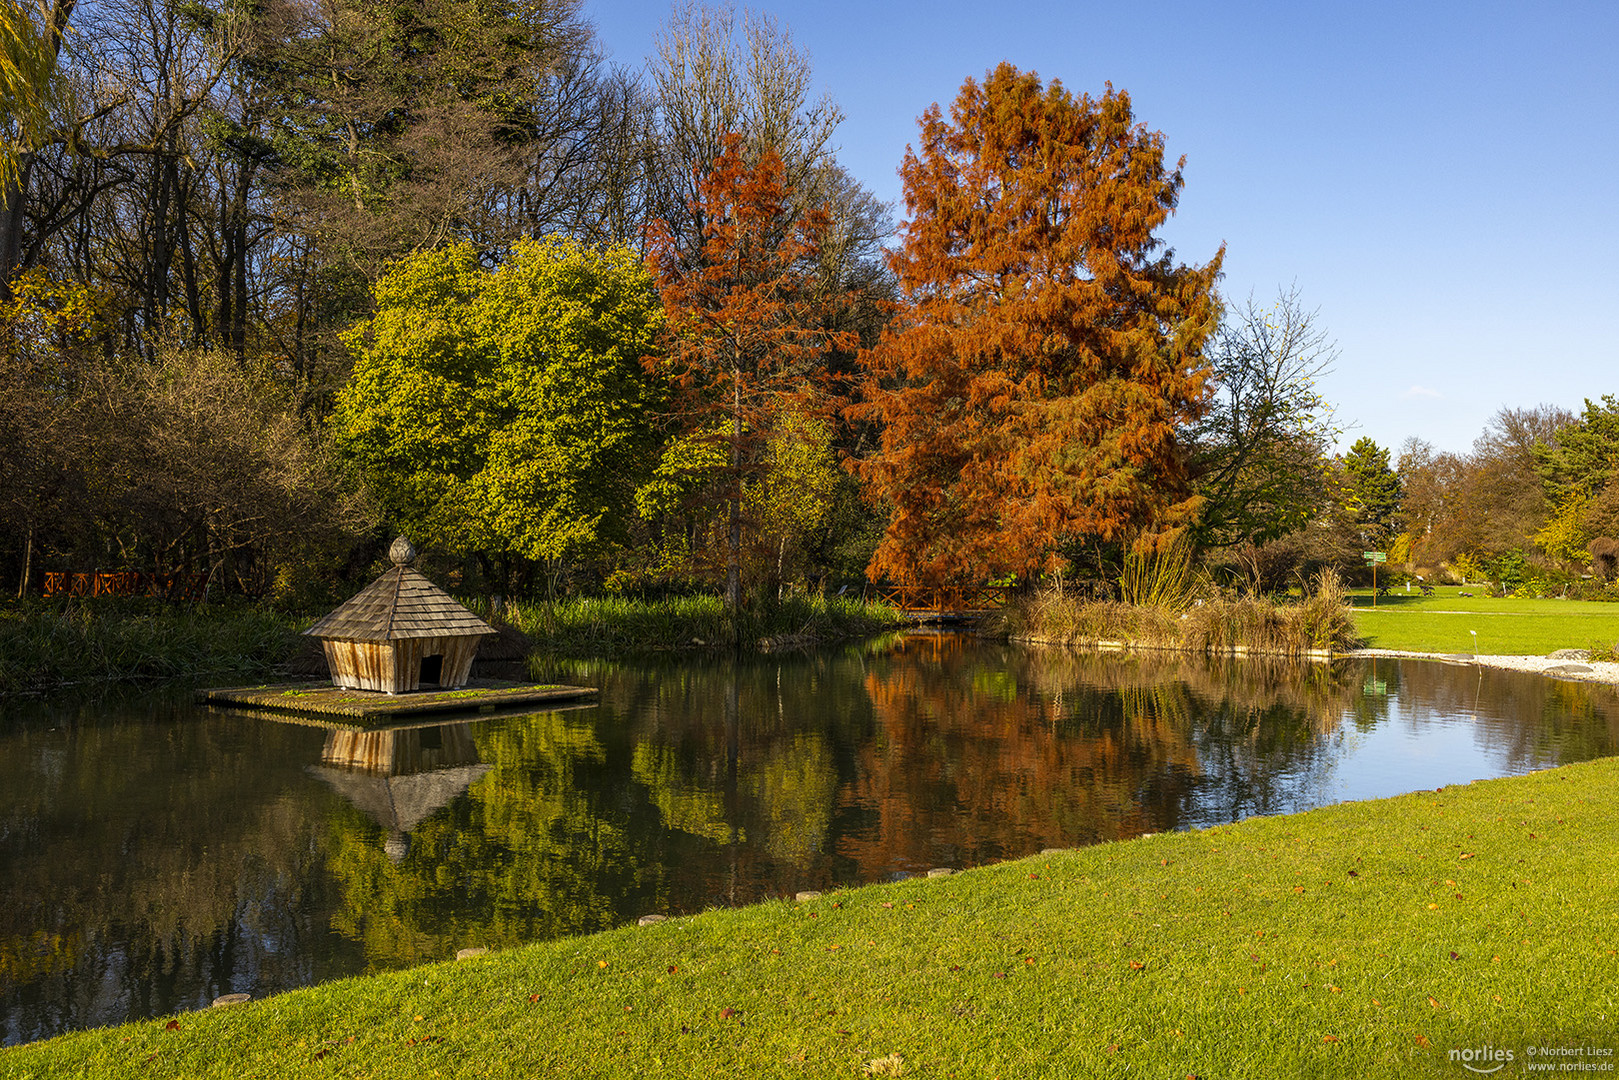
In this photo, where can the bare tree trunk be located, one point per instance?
(188, 273)
(11, 225)
(733, 545)
(27, 562)
(11, 215)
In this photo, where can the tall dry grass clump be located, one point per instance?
(1322, 621)
(1069, 621)
(1162, 576)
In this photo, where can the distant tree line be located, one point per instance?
(281, 279)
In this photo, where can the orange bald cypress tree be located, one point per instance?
(1051, 350)
(745, 331)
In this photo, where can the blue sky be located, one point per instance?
(1437, 179)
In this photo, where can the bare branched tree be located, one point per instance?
(714, 75)
(1260, 449)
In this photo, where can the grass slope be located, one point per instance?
(1366, 939)
(1508, 626)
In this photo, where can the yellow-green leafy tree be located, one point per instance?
(505, 411)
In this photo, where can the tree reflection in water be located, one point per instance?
(156, 856)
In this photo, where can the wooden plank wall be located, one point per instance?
(458, 655)
(401, 753)
(396, 667)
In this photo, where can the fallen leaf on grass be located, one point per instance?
(727, 1013)
(1137, 965)
(172, 1025)
(1329, 1038)
(1434, 1003)
(532, 998)
(1422, 1041)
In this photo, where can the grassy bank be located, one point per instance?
(1444, 621)
(1321, 621)
(601, 626)
(1367, 939)
(46, 646)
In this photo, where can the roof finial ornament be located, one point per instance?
(403, 552)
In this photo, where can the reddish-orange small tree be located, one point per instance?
(746, 327)
(1051, 349)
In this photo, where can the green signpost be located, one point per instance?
(1372, 559)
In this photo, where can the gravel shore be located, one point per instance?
(1572, 664)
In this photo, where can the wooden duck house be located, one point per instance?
(400, 633)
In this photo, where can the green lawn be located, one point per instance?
(1442, 622)
(1366, 939)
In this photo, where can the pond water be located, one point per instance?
(155, 855)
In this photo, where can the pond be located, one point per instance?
(157, 855)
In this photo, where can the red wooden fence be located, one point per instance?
(125, 583)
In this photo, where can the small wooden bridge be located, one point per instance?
(945, 603)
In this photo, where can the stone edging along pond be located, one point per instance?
(1593, 671)
(1105, 645)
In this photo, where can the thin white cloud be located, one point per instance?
(1421, 391)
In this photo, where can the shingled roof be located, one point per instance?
(398, 605)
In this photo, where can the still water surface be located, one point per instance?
(155, 855)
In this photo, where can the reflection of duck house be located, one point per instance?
(400, 633)
(402, 776)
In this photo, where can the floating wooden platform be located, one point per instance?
(324, 699)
